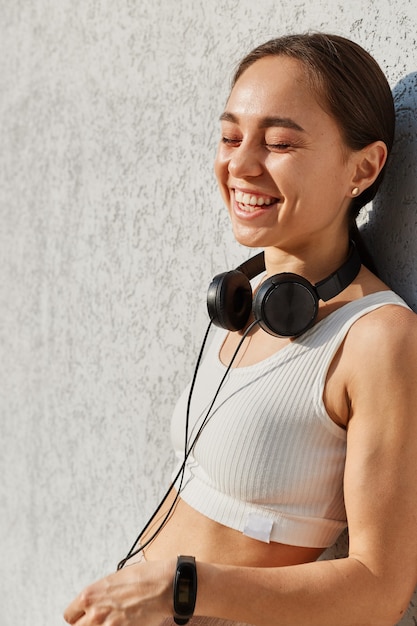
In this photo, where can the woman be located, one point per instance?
(310, 428)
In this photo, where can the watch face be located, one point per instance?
(184, 595)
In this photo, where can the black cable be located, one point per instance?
(132, 552)
(187, 449)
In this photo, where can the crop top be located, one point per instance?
(270, 461)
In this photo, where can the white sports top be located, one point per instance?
(270, 461)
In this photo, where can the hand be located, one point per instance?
(137, 594)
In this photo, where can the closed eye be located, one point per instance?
(278, 146)
(230, 142)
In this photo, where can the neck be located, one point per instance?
(313, 262)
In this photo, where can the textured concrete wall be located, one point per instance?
(110, 229)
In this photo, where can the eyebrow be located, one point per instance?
(266, 122)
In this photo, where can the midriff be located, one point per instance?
(189, 532)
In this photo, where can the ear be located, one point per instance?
(368, 163)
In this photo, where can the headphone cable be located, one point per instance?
(187, 448)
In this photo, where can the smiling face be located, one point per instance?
(284, 172)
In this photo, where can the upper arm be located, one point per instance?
(380, 476)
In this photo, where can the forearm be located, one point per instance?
(325, 593)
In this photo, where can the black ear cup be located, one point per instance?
(229, 300)
(286, 305)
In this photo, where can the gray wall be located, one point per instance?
(111, 228)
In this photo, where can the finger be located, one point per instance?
(74, 611)
(81, 620)
(72, 618)
(80, 605)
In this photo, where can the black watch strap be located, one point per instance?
(185, 589)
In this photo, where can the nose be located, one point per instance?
(244, 162)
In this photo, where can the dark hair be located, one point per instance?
(350, 85)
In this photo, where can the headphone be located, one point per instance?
(285, 305)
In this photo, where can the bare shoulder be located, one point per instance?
(381, 351)
(389, 328)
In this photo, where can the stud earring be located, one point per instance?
(355, 191)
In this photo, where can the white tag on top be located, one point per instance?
(258, 527)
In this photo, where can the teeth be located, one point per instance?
(250, 200)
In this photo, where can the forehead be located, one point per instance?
(274, 85)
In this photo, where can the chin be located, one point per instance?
(251, 242)
(251, 238)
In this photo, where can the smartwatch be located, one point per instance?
(185, 589)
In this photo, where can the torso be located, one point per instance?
(190, 532)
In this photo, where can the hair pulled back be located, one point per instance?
(350, 86)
